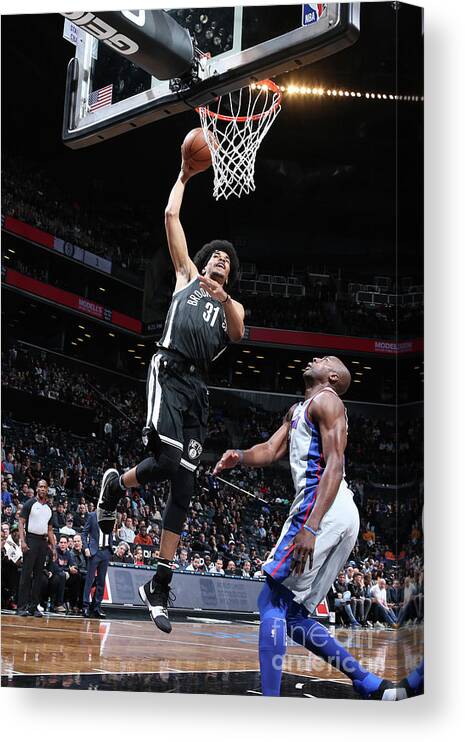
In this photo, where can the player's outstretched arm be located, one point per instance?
(263, 454)
(183, 265)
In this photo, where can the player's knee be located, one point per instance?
(166, 465)
(272, 634)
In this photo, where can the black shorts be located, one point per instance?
(177, 406)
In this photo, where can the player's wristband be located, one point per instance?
(227, 297)
(309, 528)
(241, 455)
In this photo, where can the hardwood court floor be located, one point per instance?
(115, 654)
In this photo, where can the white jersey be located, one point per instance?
(338, 528)
(305, 452)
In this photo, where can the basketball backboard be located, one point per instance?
(107, 95)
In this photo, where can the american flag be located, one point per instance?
(101, 98)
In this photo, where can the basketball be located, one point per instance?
(195, 150)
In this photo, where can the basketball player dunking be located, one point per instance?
(201, 320)
(318, 535)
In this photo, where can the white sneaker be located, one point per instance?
(379, 625)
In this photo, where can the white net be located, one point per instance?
(234, 127)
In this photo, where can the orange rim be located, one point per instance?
(257, 116)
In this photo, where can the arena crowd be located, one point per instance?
(225, 531)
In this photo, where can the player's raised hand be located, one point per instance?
(214, 289)
(229, 460)
(186, 171)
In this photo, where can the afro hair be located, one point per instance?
(204, 254)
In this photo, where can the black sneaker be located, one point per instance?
(22, 612)
(158, 598)
(107, 502)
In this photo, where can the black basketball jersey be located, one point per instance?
(195, 325)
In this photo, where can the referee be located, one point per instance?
(35, 530)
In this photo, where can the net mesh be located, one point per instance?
(234, 127)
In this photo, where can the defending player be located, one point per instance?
(201, 320)
(318, 535)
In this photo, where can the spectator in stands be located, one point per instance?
(126, 532)
(217, 567)
(395, 597)
(230, 568)
(195, 565)
(7, 496)
(408, 611)
(59, 516)
(139, 556)
(80, 518)
(246, 568)
(379, 597)
(207, 561)
(62, 568)
(12, 560)
(122, 554)
(67, 529)
(183, 561)
(143, 537)
(8, 515)
(360, 602)
(75, 585)
(8, 464)
(342, 599)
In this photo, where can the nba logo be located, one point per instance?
(311, 13)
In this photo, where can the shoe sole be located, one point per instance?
(146, 602)
(103, 520)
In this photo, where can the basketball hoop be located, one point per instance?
(234, 128)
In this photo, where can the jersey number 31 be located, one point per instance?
(211, 313)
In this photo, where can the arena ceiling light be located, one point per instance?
(141, 345)
(131, 350)
(81, 340)
(81, 327)
(101, 288)
(112, 334)
(87, 335)
(368, 368)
